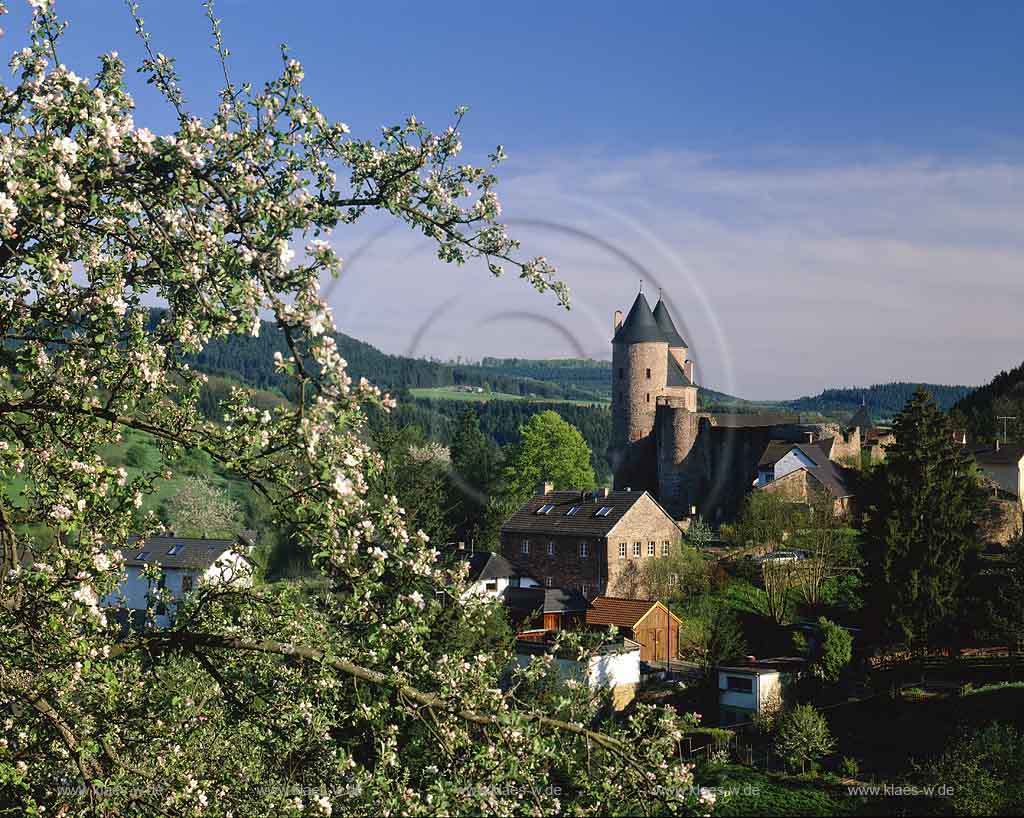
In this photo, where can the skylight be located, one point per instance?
(604, 511)
(174, 549)
(547, 508)
(142, 555)
(572, 511)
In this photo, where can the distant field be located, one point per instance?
(451, 393)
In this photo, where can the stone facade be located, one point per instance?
(557, 559)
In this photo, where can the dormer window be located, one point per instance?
(572, 511)
(547, 508)
(604, 511)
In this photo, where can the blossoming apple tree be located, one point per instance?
(273, 699)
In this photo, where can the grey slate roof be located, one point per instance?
(549, 600)
(676, 375)
(584, 522)
(639, 326)
(666, 325)
(193, 552)
(829, 474)
(1005, 456)
(485, 565)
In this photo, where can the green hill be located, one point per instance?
(981, 410)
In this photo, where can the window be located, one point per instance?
(584, 589)
(547, 582)
(650, 549)
(620, 373)
(648, 373)
(622, 550)
(547, 508)
(648, 397)
(513, 582)
(738, 684)
(665, 546)
(584, 550)
(603, 511)
(572, 511)
(186, 583)
(551, 548)
(491, 585)
(524, 547)
(142, 555)
(636, 549)
(174, 549)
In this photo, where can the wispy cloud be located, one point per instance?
(788, 276)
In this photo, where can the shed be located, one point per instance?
(646, 621)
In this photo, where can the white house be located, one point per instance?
(1005, 465)
(744, 690)
(615, 667)
(491, 574)
(184, 563)
(780, 459)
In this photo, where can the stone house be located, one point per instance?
(804, 473)
(1004, 464)
(593, 542)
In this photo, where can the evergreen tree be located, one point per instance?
(921, 546)
(475, 463)
(1006, 612)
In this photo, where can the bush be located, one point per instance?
(850, 768)
(983, 766)
(830, 654)
(803, 737)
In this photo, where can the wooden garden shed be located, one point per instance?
(646, 621)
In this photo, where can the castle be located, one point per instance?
(693, 462)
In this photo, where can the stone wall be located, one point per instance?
(566, 568)
(634, 404)
(1004, 521)
(644, 524)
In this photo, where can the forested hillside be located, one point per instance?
(884, 400)
(981, 410)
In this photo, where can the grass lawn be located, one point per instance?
(450, 393)
(752, 792)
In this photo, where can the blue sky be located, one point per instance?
(830, 193)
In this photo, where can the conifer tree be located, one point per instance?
(921, 544)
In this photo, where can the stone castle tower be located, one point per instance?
(652, 379)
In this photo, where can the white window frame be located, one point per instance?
(666, 547)
(652, 548)
(584, 550)
(524, 547)
(638, 549)
(551, 548)
(622, 550)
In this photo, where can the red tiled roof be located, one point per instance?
(624, 613)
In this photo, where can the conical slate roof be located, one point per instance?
(639, 326)
(862, 419)
(668, 329)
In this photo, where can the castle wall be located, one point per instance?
(683, 458)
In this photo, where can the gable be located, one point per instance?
(645, 506)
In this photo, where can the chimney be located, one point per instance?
(461, 546)
(810, 436)
(601, 492)
(617, 321)
(688, 369)
(545, 488)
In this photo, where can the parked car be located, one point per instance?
(780, 556)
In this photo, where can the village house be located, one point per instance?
(615, 667)
(650, 624)
(593, 542)
(1004, 464)
(184, 563)
(804, 473)
(490, 573)
(754, 687)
